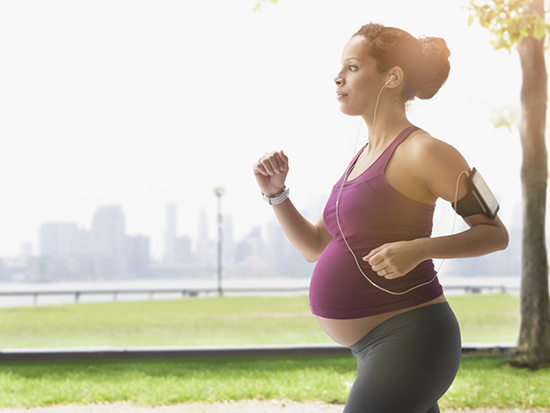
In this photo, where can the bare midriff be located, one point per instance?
(348, 332)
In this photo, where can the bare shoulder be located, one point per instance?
(437, 163)
(424, 146)
(427, 152)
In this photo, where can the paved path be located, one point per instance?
(231, 407)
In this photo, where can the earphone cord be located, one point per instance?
(371, 129)
(344, 179)
(357, 261)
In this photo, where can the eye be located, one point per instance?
(352, 68)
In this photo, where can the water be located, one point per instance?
(511, 284)
(109, 286)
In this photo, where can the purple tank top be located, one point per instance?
(372, 213)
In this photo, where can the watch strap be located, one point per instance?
(277, 199)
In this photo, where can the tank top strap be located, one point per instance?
(386, 155)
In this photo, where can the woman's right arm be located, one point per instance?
(310, 240)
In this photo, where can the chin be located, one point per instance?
(348, 111)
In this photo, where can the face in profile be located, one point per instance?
(358, 82)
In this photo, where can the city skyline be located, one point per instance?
(106, 251)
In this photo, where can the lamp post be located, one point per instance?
(219, 191)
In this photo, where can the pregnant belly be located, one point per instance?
(348, 332)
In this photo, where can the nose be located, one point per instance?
(339, 80)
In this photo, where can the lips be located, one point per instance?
(340, 95)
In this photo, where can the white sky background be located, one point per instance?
(144, 103)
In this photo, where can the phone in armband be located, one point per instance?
(478, 200)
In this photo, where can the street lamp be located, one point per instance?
(219, 191)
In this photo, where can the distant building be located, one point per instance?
(170, 235)
(84, 242)
(108, 242)
(183, 251)
(284, 259)
(251, 258)
(42, 269)
(205, 246)
(25, 250)
(138, 256)
(229, 246)
(3, 273)
(59, 239)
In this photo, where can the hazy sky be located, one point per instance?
(144, 103)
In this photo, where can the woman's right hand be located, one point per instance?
(270, 172)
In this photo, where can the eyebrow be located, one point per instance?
(352, 58)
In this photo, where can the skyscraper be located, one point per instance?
(184, 252)
(138, 255)
(170, 235)
(205, 248)
(108, 241)
(59, 239)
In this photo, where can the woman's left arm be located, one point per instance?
(440, 166)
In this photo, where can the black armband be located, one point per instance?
(478, 200)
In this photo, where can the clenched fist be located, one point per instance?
(270, 172)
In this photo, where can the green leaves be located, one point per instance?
(505, 116)
(508, 20)
(260, 3)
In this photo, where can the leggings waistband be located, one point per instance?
(428, 313)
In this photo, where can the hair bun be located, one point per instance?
(434, 68)
(424, 61)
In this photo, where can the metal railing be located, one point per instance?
(189, 293)
(150, 292)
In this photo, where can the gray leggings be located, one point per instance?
(407, 363)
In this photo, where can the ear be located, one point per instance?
(395, 77)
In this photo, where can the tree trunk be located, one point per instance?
(533, 349)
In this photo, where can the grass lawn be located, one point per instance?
(217, 321)
(233, 321)
(491, 382)
(491, 318)
(481, 382)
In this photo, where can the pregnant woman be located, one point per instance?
(374, 288)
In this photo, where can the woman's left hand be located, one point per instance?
(394, 260)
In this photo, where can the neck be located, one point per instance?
(390, 120)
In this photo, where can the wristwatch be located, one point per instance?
(277, 199)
